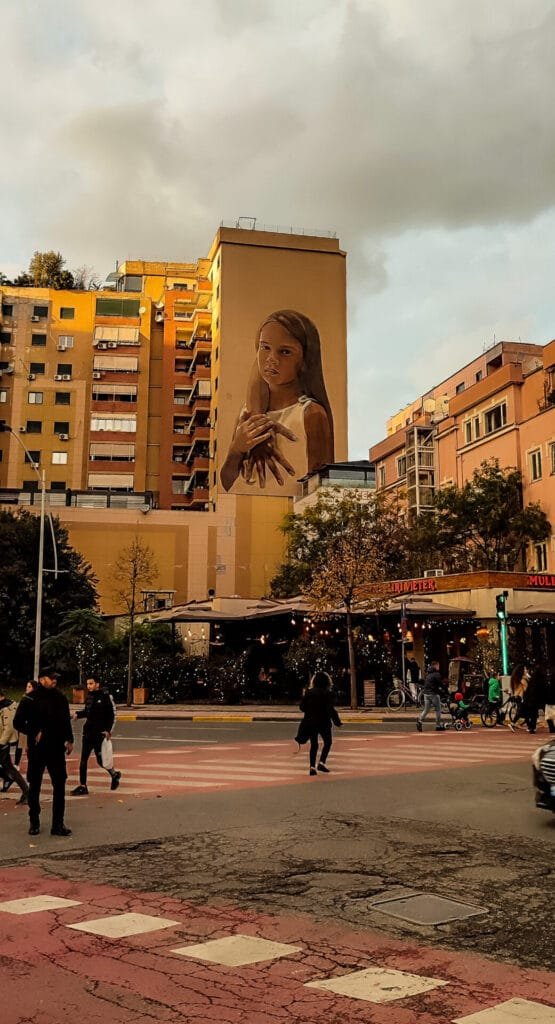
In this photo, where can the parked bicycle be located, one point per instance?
(401, 695)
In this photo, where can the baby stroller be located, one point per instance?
(458, 710)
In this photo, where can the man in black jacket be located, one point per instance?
(47, 723)
(99, 714)
(432, 690)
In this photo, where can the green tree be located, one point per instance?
(73, 589)
(82, 637)
(47, 270)
(484, 524)
(134, 571)
(340, 544)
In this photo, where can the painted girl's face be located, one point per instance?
(280, 356)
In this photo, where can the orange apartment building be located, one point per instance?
(127, 398)
(501, 405)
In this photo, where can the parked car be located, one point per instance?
(543, 767)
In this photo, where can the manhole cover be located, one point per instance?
(425, 908)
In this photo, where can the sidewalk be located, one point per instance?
(251, 713)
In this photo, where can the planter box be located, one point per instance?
(140, 695)
(79, 696)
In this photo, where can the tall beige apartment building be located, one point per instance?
(128, 399)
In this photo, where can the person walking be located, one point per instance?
(319, 714)
(494, 696)
(99, 714)
(519, 685)
(412, 676)
(432, 690)
(549, 710)
(8, 738)
(22, 710)
(534, 697)
(47, 724)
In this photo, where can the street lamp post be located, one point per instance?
(5, 427)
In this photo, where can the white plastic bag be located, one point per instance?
(107, 753)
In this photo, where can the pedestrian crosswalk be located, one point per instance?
(181, 769)
(152, 956)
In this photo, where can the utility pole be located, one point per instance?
(501, 611)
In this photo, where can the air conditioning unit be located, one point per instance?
(9, 369)
(63, 437)
(58, 376)
(23, 430)
(102, 344)
(31, 376)
(35, 319)
(97, 375)
(66, 376)
(430, 573)
(159, 317)
(111, 344)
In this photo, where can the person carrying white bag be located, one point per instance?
(99, 714)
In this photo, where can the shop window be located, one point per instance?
(535, 458)
(496, 418)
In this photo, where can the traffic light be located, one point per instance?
(501, 605)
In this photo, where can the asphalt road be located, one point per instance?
(329, 847)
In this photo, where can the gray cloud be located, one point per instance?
(400, 126)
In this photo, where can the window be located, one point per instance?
(62, 398)
(478, 376)
(31, 485)
(36, 367)
(32, 457)
(115, 364)
(7, 309)
(64, 368)
(402, 466)
(4, 364)
(111, 452)
(38, 339)
(5, 337)
(381, 476)
(61, 427)
(67, 313)
(65, 341)
(57, 485)
(110, 481)
(35, 398)
(40, 311)
(535, 464)
(59, 458)
(476, 426)
(104, 391)
(540, 557)
(34, 427)
(117, 307)
(552, 457)
(121, 335)
(127, 424)
(1, 455)
(130, 283)
(468, 432)
(3, 395)
(459, 388)
(495, 418)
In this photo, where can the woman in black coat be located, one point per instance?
(319, 713)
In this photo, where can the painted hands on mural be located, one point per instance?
(255, 438)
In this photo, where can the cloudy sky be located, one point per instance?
(421, 132)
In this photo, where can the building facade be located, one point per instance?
(128, 399)
(501, 406)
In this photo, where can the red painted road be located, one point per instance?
(243, 765)
(53, 974)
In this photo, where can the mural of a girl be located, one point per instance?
(286, 424)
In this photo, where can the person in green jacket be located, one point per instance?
(494, 696)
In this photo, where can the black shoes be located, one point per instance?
(34, 830)
(7, 785)
(23, 800)
(115, 780)
(313, 771)
(419, 725)
(80, 791)
(63, 831)
(322, 768)
(440, 728)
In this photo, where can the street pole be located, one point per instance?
(403, 636)
(38, 616)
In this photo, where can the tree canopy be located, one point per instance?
(48, 270)
(74, 588)
(484, 524)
